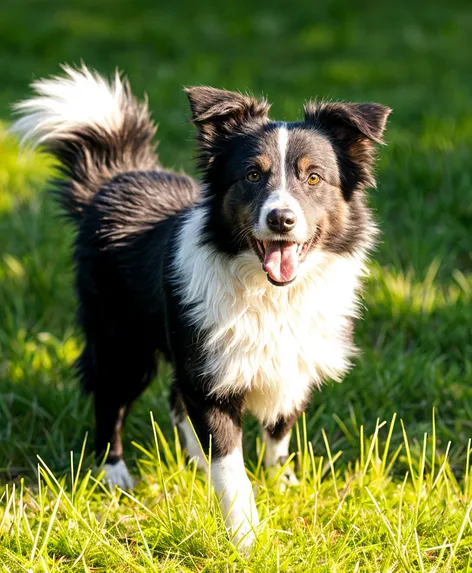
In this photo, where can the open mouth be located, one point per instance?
(281, 259)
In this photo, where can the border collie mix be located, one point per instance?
(246, 281)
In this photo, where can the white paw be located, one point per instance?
(244, 539)
(242, 519)
(242, 530)
(118, 474)
(288, 476)
(285, 479)
(234, 491)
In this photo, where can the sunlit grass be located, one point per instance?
(354, 518)
(385, 486)
(19, 174)
(403, 292)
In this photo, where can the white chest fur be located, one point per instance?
(273, 343)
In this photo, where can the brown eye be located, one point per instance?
(313, 179)
(253, 176)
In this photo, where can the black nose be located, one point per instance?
(281, 220)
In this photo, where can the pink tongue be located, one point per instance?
(281, 261)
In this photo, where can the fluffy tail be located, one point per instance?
(96, 129)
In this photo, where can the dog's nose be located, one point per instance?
(281, 220)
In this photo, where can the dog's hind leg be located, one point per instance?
(187, 434)
(110, 417)
(116, 369)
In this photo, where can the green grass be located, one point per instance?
(375, 495)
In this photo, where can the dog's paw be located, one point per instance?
(243, 534)
(242, 523)
(288, 477)
(118, 475)
(243, 540)
(284, 479)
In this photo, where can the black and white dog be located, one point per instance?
(247, 281)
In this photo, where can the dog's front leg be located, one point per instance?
(221, 419)
(277, 441)
(236, 497)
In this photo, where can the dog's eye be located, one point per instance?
(313, 179)
(253, 176)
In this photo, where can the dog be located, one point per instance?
(247, 281)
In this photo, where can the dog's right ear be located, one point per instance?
(219, 114)
(214, 105)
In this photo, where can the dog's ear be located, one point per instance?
(353, 128)
(219, 114)
(214, 105)
(350, 120)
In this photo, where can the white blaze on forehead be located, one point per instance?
(283, 141)
(281, 198)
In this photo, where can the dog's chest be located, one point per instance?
(275, 344)
(270, 343)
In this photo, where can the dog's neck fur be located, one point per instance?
(272, 343)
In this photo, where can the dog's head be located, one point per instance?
(285, 190)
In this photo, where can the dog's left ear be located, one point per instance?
(350, 120)
(219, 114)
(354, 128)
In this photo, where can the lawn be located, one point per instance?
(383, 458)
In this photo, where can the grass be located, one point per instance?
(385, 482)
